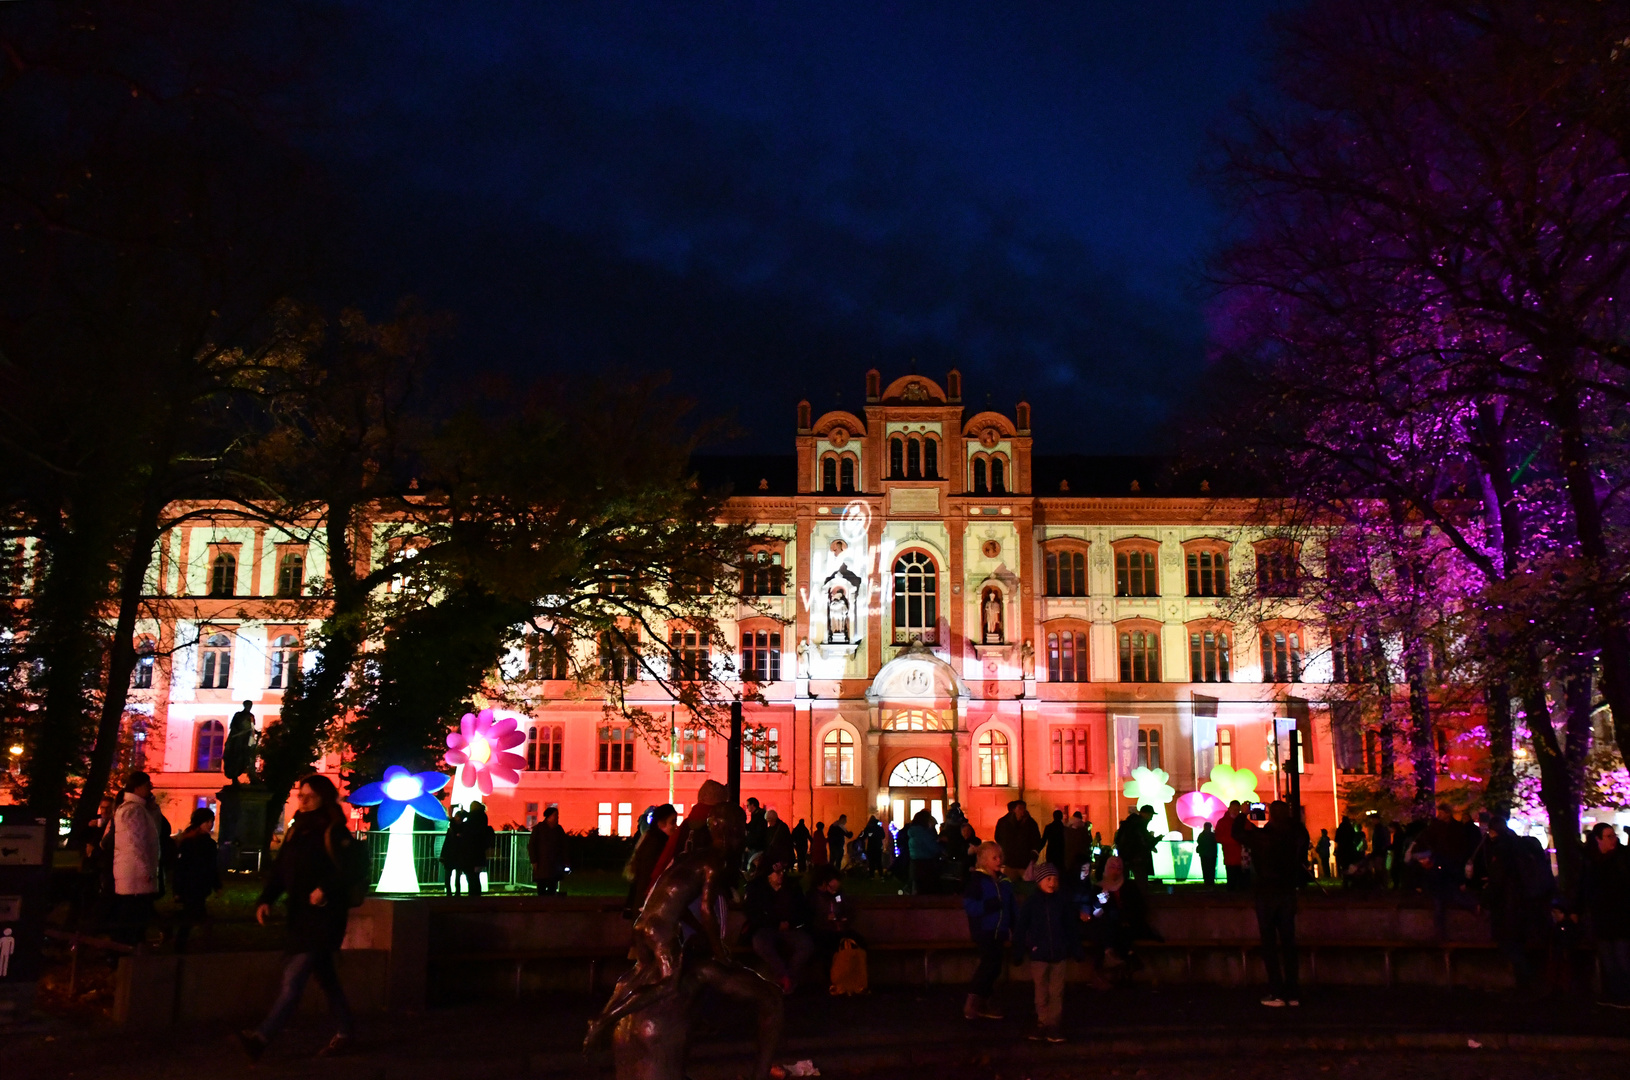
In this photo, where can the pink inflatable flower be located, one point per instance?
(479, 749)
(1199, 806)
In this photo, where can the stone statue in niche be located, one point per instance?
(241, 742)
(1027, 653)
(837, 616)
(991, 616)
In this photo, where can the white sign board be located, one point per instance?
(22, 845)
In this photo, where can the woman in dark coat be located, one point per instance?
(310, 871)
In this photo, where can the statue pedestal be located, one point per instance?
(244, 825)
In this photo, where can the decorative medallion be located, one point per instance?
(989, 437)
(839, 437)
(991, 549)
(838, 547)
(915, 391)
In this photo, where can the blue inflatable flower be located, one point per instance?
(401, 790)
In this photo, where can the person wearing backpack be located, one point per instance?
(311, 869)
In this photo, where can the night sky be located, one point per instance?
(766, 199)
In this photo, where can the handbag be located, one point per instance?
(849, 969)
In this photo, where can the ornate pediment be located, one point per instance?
(916, 676)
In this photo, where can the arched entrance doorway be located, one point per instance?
(917, 783)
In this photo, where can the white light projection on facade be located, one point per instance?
(850, 584)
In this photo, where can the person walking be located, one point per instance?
(800, 845)
(1047, 933)
(1019, 838)
(817, 845)
(478, 842)
(1136, 845)
(197, 873)
(757, 828)
(1323, 848)
(1346, 845)
(1278, 865)
(1052, 840)
(134, 842)
(871, 839)
(1077, 848)
(777, 923)
(924, 846)
(987, 900)
(452, 854)
(1205, 846)
(310, 870)
(837, 841)
(546, 851)
(1607, 901)
(777, 841)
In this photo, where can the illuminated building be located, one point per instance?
(960, 619)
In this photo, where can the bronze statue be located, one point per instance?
(652, 1005)
(238, 756)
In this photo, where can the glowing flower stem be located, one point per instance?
(400, 875)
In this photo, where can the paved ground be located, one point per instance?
(1403, 1034)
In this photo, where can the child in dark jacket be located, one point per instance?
(1047, 934)
(197, 873)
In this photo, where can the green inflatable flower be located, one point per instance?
(1148, 787)
(1230, 784)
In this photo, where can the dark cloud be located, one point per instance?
(766, 201)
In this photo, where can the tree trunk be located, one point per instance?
(1423, 755)
(1502, 778)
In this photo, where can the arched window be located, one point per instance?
(210, 744)
(1067, 656)
(1149, 748)
(223, 576)
(1135, 572)
(917, 772)
(291, 574)
(1066, 573)
(992, 758)
(543, 747)
(285, 658)
(914, 459)
(897, 457)
(980, 485)
(998, 476)
(1225, 746)
(1140, 656)
(1208, 655)
(931, 459)
(1281, 656)
(215, 662)
(838, 758)
(141, 676)
(829, 473)
(916, 584)
(846, 475)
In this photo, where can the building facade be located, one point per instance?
(941, 616)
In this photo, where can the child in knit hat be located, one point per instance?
(1047, 934)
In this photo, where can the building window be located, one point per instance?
(1067, 656)
(931, 459)
(1276, 572)
(602, 824)
(619, 659)
(1225, 746)
(211, 743)
(285, 662)
(1140, 656)
(914, 459)
(548, 656)
(1208, 573)
(838, 758)
(897, 457)
(992, 758)
(915, 590)
(1149, 748)
(981, 485)
(829, 473)
(761, 656)
(693, 750)
(763, 575)
(1208, 655)
(616, 748)
(689, 654)
(761, 751)
(998, 476)
(846, 475)
(1372, 753)
(625, 819)
(1281, 656)
(215, 662)
(1135, 573)
(1346, 657)
(1070, 750)
(291, 574)
(543, 747)
(1066, 573)
(223, 575)
(141, 676)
